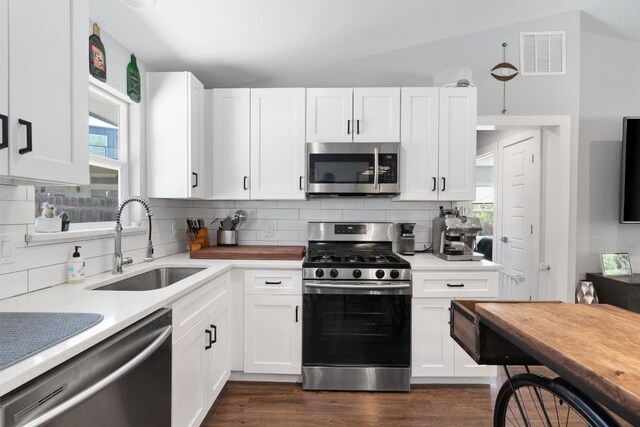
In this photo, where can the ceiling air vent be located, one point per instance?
(543, 53)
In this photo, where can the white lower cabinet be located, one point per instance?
(200, 359)
(273, 334)
(433, 352)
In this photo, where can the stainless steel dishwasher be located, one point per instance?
(123, 381)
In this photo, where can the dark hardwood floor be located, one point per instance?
(286, 404)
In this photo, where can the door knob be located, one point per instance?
(504, 239)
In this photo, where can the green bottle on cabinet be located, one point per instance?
(133, 80)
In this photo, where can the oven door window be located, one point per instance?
(341, 168)
(357, 330)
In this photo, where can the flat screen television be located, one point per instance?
(630, 182)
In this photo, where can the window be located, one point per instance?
(108, 168)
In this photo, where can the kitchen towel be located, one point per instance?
(24, 334)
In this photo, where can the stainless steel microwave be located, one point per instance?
(352, 169)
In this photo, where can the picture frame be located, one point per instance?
(615, 264)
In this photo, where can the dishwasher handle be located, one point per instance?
(103, 383)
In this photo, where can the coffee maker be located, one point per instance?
(454, 236)
(407, 238)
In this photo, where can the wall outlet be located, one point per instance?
(268, 231)
(8, 248)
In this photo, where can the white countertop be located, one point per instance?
(430, 262)
(120, 309)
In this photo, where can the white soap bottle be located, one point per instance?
(75, 267)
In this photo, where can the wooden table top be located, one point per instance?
(594, 347)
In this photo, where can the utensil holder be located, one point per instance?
(227, 237)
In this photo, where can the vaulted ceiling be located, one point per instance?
(231, 42)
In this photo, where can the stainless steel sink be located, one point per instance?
(150, 280)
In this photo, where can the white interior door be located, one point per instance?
(519, 231)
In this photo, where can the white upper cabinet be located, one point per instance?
(330, 115)
(457, 148)
(175, 136)
(277, 143)
(4, 87)
(438, 147)
(231, 143)
(47, 110)
(353, 115)
(376, 112)
(419, 144)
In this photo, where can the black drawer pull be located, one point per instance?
(5, 131)
(461, 285)
(279, 282)
(244, 183)
(358, 127)
(301, 183)
(29, 146)
(208, 332)
(196, 175)
(215, 334)
(348, 127)
(296, 314)
(444, 184)
(435, 184)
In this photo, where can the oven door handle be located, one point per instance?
(363, 287)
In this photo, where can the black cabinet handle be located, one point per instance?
(348, 127)
(208, 332)
(358, 126)
(444, 183)
(29, 146)
(196, 184)
(435, 184)
(244, 183)
(297, 314)
(279, 282)
(301, 183)
(461, 285)
(5, 131)
(215, 334)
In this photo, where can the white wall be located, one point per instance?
(39, 266)
(610, 90)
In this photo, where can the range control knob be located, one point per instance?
(395, 274)
(380, 274)
(357, 273)
(319, 272)
(333, 272)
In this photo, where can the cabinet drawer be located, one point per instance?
(279, 282)
(455, 284)
(187, 311)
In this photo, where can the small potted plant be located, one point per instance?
(64, 217)
(48, 222)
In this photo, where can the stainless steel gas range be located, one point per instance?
(357, 309)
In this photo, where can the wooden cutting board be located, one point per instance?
(291, 253)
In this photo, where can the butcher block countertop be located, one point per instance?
(594, 347)
(293, 253)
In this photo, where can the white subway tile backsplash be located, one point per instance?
(277, 213)
(407, 215)
(13, 193)
(299, 204)
(14, 284)
(342, 203)
(256, 204)
(292, 224)
(17, 212)
(321, 214)
(362, 215)
(46, 277)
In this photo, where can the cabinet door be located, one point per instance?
(218, 354)
(4, 86)
(196, 138)
(329, 115)
(272, 334)
(376, 112)
(457, 150)
(49, 99)
(188, 376)
(432, 347)
(419, 144)
(465, 366)
(277, 143)
(231, 144)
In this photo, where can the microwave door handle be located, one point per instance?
(375, 169)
